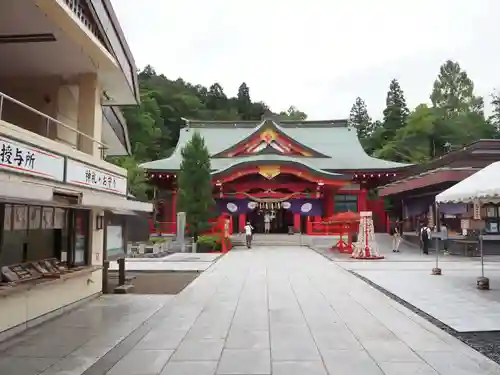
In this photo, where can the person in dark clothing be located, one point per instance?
(425, 238)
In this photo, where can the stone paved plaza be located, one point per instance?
(451, 298)
(269, 310)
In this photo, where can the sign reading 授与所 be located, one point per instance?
(94, 178)
(18, 157)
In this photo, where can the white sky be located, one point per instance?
(318, 55)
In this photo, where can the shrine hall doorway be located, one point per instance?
(281, 219)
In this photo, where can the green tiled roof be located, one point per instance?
(333, 139)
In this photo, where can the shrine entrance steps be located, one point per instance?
(270, 240)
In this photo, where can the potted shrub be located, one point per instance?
(207, 244)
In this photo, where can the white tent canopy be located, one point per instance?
(483, 186)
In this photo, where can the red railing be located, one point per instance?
(330, 229)
(344, 225)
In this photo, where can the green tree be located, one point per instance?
(195, 186)
(453, 91)
(412, 143)
(460, 112)
(495, 117)
(396, 111)
(292, 113)
(136, 179)
(243, 102)
(216, 99)
(360, 119)
(145, 127)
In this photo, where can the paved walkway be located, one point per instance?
(451, 298)
(265, 311)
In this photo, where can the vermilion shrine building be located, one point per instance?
(291, 171)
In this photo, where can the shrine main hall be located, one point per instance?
(285, 172)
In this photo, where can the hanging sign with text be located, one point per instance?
(94, 178)
(19, 157)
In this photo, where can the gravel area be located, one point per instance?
(156, 282)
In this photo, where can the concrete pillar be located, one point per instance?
(174, 211)
(96, 239)
(67, 113)
(89, 114)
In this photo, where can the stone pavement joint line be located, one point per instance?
(265, 311)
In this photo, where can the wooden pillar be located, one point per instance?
(296, 222)
(242, 220)
(328, 203)
(363, 200)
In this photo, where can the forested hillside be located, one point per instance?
(453, 117)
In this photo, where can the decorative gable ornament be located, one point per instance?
(268, 138)
(269, 171)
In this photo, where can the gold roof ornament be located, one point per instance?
(269, 171)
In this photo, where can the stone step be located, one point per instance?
(269, 240)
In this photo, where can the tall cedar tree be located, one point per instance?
(495, 117)
(453, 91)
(360, 120)
(243, 102)
(195, 186)
(460, 113)
(396, 112)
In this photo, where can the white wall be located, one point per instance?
(24, 306)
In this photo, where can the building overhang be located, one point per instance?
(426, 179)
(115, 132)
(84, 44)
(270, 169)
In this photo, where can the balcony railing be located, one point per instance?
(50, 121)
(78, 9)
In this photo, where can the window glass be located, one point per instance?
(492, 226)
(491, 211)
(347, 202)
(81, 224)
(492, 219)
(33, 233)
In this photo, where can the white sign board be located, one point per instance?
(477, 211)
(19, 157)
(94, 178)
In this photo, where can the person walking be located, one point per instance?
(445, 238)
(267, 222)
(249, 234)
(396, 238)
(425, 238)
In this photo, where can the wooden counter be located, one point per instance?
(20, 287)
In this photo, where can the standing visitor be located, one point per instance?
(396, 238)
(267, 222)
(248, 234)
(444, 238)
(425, 238)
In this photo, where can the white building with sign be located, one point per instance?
(65, 68)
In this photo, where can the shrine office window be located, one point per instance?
(346, 202)
(492, 219)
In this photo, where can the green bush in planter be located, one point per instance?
(207, 244)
